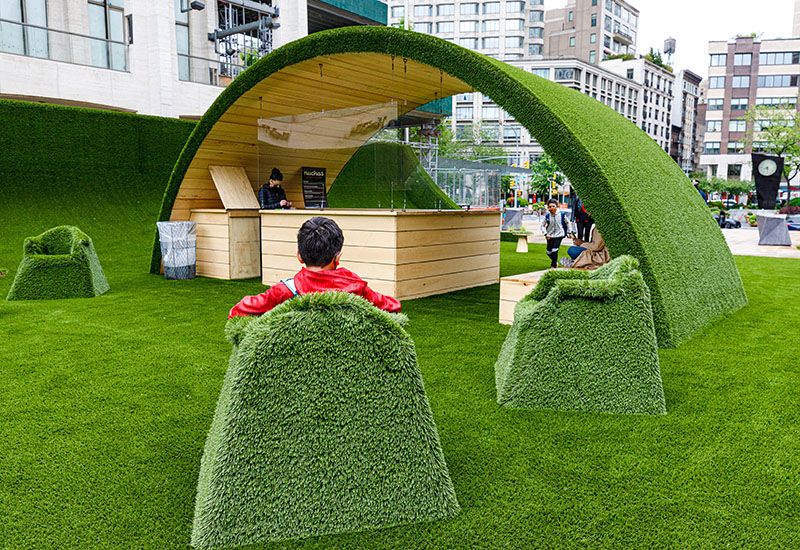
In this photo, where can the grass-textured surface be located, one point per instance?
(583, 341)
(386, 175)
(324, 434)
(59, 263)
(641, 200)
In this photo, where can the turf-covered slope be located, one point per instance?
(583, 341)
(102, 171)
(386, 175)
(59, 263)
(642, 202)
(322, 426)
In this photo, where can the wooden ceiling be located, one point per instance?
(320, 84)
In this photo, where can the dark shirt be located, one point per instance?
(270, 197)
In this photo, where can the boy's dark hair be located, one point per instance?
(276, 175)
(319, 241)
(552, 201)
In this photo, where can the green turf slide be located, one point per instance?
(59, 263)
(322, 426)
(584, 341)
(387, 175)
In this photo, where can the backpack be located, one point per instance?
(563, 222)
(289, 283)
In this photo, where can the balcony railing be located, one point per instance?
(216, 72)
(68, 47)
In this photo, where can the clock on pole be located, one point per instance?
(767, 171)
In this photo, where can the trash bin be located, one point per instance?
(178, 249)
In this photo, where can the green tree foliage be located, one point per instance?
(654, 57)
(543, 171)
(729, 187)
(477, 145)
(778, 131)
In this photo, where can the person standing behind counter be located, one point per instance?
(271, 196)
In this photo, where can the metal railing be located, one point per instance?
(202, 70)
(68, 47)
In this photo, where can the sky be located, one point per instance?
(693, 23)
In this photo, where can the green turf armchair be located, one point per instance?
(59, 263)
(583, 341)
(322, 426)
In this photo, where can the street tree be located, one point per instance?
(776, 131)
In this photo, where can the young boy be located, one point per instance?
(319, 245)
(554, 231)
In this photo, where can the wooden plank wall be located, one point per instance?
(407, 255)
(346, 80)
(213, 244)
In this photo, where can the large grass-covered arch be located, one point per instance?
(642, 202)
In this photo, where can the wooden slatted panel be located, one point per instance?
(213, 244)
(245, 246)
(234, 187)
(512, 290)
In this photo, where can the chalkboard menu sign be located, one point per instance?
(314, 194)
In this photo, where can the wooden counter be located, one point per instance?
(228, 243)
(405, 254)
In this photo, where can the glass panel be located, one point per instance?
(182, 33)
(184, 17)
(117, 3)
(36, 39)
(11, 39)
(117, 34)
(97, 28)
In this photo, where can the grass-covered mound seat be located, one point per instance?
(385, 175)
(322, 426)
(59, 263)
(584, 341)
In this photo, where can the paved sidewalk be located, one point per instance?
(742, 242)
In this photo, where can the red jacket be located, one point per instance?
(305, 282)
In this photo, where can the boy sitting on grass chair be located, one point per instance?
(319, 246)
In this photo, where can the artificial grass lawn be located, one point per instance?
(105, 404)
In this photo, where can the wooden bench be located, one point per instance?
(513, 289)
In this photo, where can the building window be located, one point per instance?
(464, 113)
(565, 74)
(515, 24)
(607, 24)
(512, 133)
(779, 58)
(444, 27)
(777, 81)
(714, 126)
(490, 113)
(513, 41)
(423, 27)
(593, 56)
(544, 73)
(106, 22)
(716, 104)
(397, 11)
(571, 41)
(491, 7)
(470, 43)
(469, 9)
(606, 41)
(182, 36)
(14, 37)
(535, 32)
(594, 2)
(464, 132)
(515, 7)
(734, 170)
(537, 2)
(737, 126)
(781, 102)
(535, 49)
(593, 38)
(571, 16)
(491, 43)
(739, 104)
(468, 26)
(423, 10)
(594, 19)
(740, 59)
(716, 82)
(719, 59)
(536, 17)
(491, 25)
(712, 147)
(741, 81)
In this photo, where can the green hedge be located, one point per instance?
(641, 200)
(74, 166)
(583, 341)
(59, 263)
(322, 426)
(386, 175)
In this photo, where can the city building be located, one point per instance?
(686, 137)
(498, 127)
(743, 73)
(508, 30)
(159, 57)
(658, 85)
(796, 27)
(591, 30)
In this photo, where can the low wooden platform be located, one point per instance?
(512, 290)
